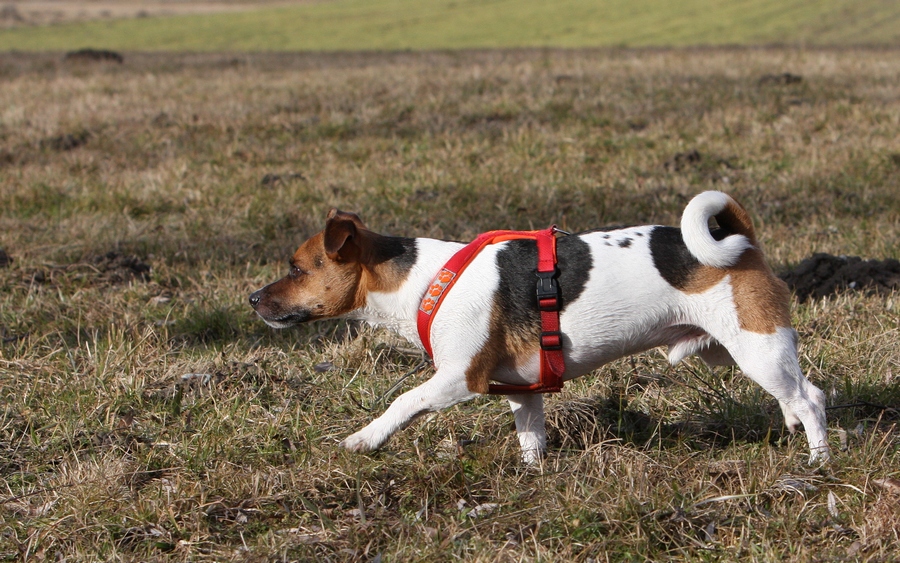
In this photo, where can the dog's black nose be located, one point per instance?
(254, 298)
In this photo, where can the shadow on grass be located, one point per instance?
(580, 423)
(715, 420)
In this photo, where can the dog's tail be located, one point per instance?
(734, 223)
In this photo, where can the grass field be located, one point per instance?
(146, 414)
(461, 24)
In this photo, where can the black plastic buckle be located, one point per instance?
(548, 290)
(551, 340)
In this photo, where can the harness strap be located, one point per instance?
(552, 361)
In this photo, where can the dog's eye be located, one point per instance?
(296, 272)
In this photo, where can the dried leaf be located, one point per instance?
(889, 484)
(322, 367)
(202, 378)
(842, 436)
(482, 510)
(832, 505)
(794, 485)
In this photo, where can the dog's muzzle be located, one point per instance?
(273, 314)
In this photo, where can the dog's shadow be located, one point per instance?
(711, 422)
(577, 424)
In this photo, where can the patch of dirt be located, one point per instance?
(708, 166)
(94, 55)
(8, 157)
(782, 79)
(10, 13)
(66, 141)
(270, 180)
(684, 160)
(5, 259)
(822, 275)
(115, 268)
(111, 268)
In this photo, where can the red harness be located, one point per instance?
(552, 363)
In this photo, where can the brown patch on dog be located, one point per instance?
(703, 278)
(761, 299)
(385, 277)
(506, 345)
(735, 219)
(346, 239)
(485, 363)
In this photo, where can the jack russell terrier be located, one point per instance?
(697, 290)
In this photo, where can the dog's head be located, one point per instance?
(326, 278)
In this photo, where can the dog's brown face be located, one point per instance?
(325, 278)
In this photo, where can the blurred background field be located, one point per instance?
(444, 24)
(147, 415)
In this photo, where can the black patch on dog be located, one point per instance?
(671, 257)
(625, 243)
(518, 283)
(402, 251)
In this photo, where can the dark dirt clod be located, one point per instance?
(119, 268)
(272, 179)
(94, 55)
(822, 275)
(66, 141)
(780, 79)
(11, 14)
(5, 259)
(683, 160)
(707, 166)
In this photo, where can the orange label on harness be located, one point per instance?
(436, 290)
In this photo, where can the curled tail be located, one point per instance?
(732, 219)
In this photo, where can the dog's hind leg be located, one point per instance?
(771, 361)
(446, 388)
(529, 413)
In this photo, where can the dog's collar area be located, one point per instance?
(548, 299)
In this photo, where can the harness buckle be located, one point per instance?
(548, 290)
(551, 340)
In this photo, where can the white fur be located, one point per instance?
(695, 231)
(626, 307)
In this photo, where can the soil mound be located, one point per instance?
(88, 55)
(822, 275)
(116, 268)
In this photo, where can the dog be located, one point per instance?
(697, 289)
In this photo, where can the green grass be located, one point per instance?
(463, 24)
(150, 416)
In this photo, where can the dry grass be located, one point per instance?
(147, 415)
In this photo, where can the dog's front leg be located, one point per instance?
(529, 413)
(445, 389)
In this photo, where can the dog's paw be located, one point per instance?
(820, 455)
(359, 443)
(533, 457)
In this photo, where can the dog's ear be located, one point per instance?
(346, 238)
